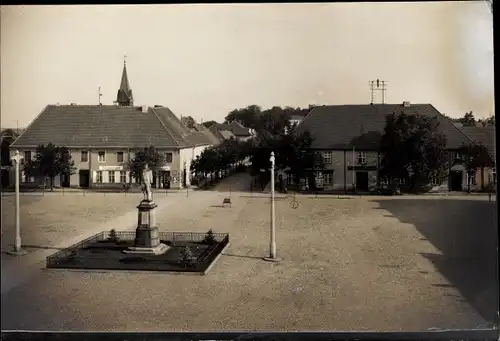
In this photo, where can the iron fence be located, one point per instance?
(201, 261)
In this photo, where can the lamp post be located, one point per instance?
(272, 245)
(17, 243)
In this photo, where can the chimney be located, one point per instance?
(406, 104)
(144, 109)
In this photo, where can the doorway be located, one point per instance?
(84, 175)
(65, 180)
(362, 181)
(456, 180)
(5, 178)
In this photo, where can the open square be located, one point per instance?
(348, 263)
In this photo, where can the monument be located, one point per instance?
(147, 238)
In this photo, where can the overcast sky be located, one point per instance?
(205, 60)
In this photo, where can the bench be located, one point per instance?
(226, 201)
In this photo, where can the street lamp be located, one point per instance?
(17, 243)
(272, 245)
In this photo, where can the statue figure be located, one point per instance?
(146, 184)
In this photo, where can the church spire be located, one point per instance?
(124, 96)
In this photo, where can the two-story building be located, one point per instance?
(103, 138)
(348, 136)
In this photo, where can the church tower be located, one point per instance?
(124, 96)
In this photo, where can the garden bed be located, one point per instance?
(188, 252)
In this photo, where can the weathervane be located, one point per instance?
(124, 59)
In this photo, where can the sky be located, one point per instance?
(206, 60)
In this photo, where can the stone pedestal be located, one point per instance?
(147, 237)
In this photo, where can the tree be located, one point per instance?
(412, 149)
(468, 120)
(8, 136)
(49, 162)
(292, 151)
(474, 157)
(208, 124)
(148, 156)
(248, 116)
(188, 121)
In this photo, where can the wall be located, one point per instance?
(187, 155)
(343, 178)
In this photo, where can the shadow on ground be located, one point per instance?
(465, 231)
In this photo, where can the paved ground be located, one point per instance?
(348, 264)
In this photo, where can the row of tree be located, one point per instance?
(275, 133)
(469, 120)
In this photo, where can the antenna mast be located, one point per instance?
(100, 95)
(378, 85)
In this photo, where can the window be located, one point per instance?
(99, 177)
(26, 178)
(123, 176)
(471, 179)
(494, 175)
(168, 157)
(101, 157)
(119, 157)
(27, 157)
(328, 178)
(327, 158)
(435, 181)
(361, 157)
(84, 157)
(111, 177)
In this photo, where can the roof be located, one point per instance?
(361, 126)
(236, 128)
(482, 135)
(84, 126)
(208, 134)
(226, 134)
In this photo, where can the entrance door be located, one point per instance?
(84, 178)
(5, 178)
(165, 179)
(65, 179)
(362, 181)
(456, 180)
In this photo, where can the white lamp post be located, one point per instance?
(272, 246)
(17, 244)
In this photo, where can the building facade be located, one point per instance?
(348, 137)
(102, 139)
